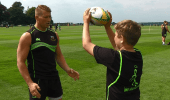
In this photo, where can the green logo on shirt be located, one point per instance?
(52, 38)
(134, 77)
(133, 80)
(38, 39)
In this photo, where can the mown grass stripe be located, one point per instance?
(91, 86)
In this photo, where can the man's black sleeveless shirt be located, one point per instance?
(164, 29)
(41, 58)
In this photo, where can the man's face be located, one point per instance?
(44, 19)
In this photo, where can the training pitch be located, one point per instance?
(155, 81)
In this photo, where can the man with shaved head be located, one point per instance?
(40, 47)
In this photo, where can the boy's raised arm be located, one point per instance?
(109, 32)
(86, 40)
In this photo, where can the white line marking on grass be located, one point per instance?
(149, 39)
(9, 41)
(80, 37)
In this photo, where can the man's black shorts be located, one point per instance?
(164, 34)
(49, 88)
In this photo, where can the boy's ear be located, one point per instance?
(122, 38)
(36, 17)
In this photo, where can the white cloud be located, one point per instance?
(145, 5)
(72, 10)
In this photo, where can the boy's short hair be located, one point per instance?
(130, 30)
(40, 8)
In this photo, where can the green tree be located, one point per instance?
(30, 13)
(4, 14)
(52, 22)
(16, 13)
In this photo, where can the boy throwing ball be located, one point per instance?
(124, 63)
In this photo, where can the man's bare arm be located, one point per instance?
(167, 28)
(22, 53)
(62, 63)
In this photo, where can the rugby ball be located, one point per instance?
(99, 16)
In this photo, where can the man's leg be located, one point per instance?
(58, 98)
(43, 92)
(55, 91)
(163, 40)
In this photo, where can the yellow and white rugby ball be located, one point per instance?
(99, 16)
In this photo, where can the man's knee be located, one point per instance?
(58, 98)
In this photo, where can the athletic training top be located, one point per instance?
(41, 58)
(164, 29)
(124, 70)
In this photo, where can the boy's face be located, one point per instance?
(118, 40)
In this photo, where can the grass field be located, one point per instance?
(155, 81)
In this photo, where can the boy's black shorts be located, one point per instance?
(49, 88)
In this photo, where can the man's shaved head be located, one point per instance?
(40, 8)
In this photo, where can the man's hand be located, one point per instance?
(74, 74)
(34, 90)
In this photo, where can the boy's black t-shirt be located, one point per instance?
(124, 70)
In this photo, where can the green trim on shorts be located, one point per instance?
(34, 97)
(165, 34)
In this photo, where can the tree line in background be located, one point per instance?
(16, 15)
